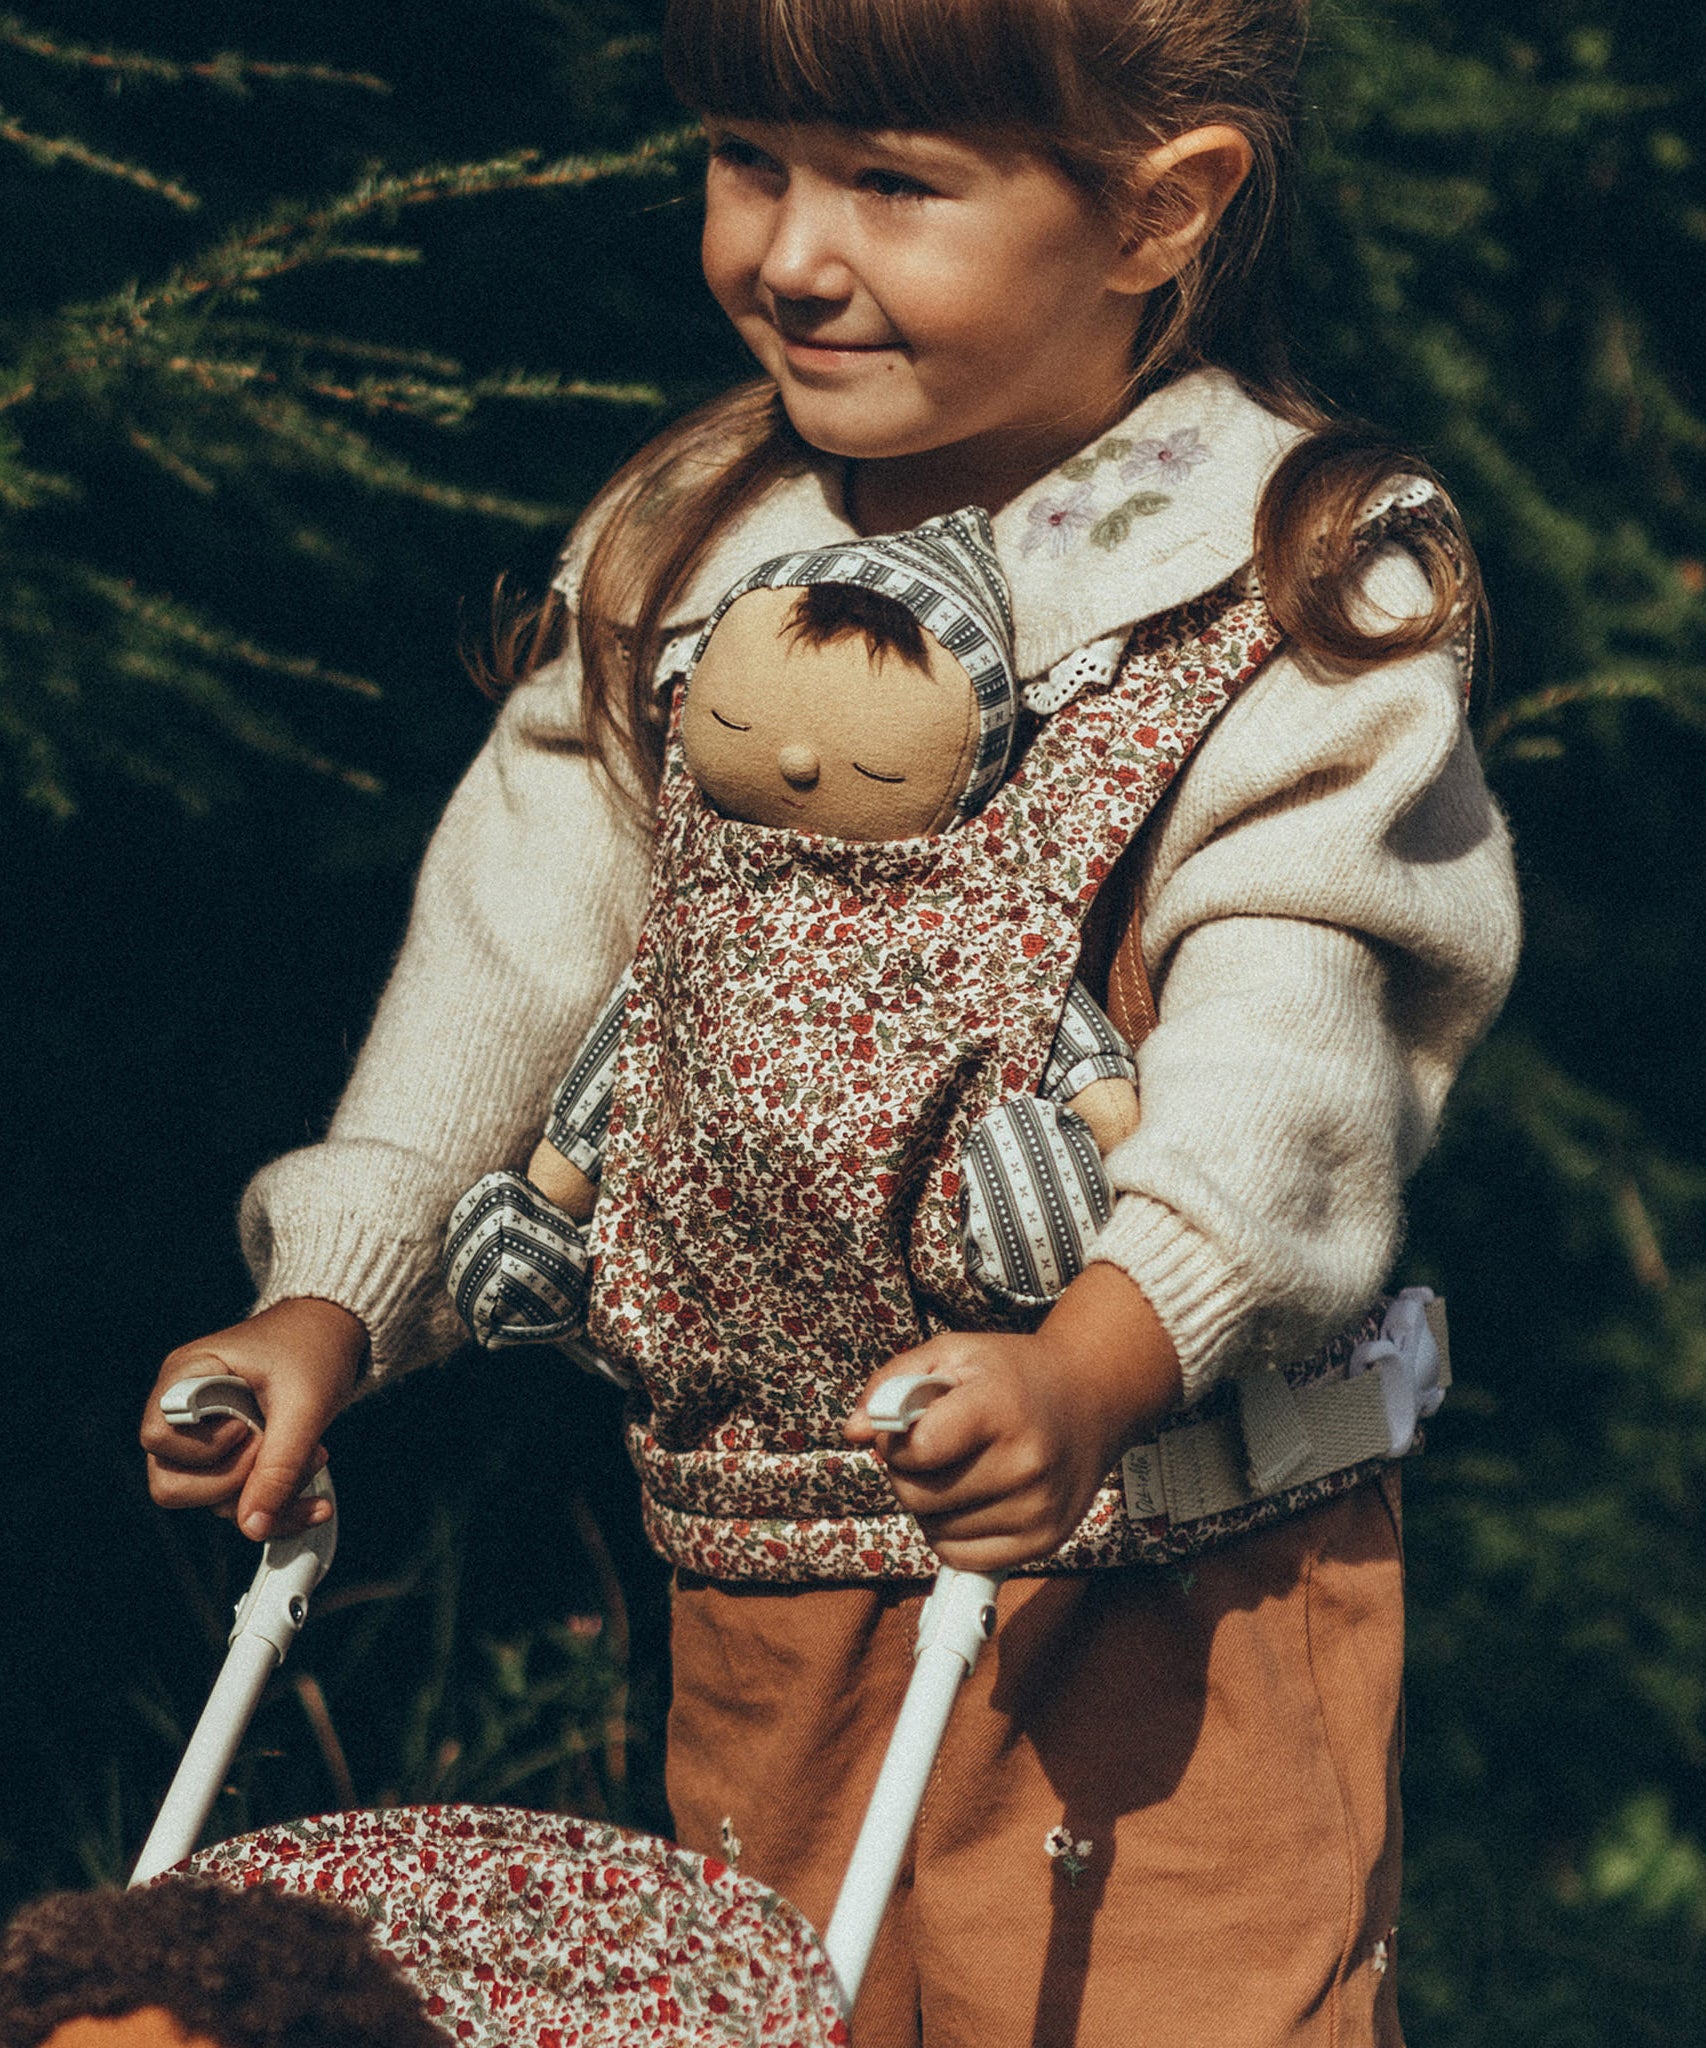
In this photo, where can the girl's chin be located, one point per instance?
(857, 429)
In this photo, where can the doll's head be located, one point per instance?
(182, 1965)
(861, 691)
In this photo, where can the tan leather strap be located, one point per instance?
(1131, 1002)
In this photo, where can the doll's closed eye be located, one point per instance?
(875, 777)
(729, 722)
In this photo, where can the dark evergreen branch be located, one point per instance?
(297, 236)
(214, 698)
(229, 69)
(331, 448)
(178, 623)
(343, 346)
(52, 150)
(1679, 690)
(170, 461)
(453, 404)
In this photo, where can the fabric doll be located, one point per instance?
(863, 693)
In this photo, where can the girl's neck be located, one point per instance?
(892, 494)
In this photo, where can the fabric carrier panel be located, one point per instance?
(817, 1027)
(815, 1030)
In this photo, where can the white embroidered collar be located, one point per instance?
(1151, 514)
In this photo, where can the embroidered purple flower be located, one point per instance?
(1056, 523)
(1170, 461)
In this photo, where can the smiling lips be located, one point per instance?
(822, 345)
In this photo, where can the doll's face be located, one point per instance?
(826, 739)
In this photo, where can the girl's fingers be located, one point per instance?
(957, 1426)
(290, 1454)
(209, 1447)
(990, 1553)
(176, 1485)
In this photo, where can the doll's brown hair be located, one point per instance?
(837, 611)
(1091, 85)
(250, 1969)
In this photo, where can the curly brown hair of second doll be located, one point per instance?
(251, 1969)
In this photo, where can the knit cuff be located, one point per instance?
(395, 1289)
(1201, 1303)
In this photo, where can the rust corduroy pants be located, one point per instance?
(1225, 1739)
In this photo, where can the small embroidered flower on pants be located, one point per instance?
(729, 1839)
(1072, 1856)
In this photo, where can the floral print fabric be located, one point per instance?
(815, 1029)
(535, 1930)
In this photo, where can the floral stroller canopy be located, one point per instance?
(536, 1929)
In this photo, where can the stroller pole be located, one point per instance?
(958, 1619)
(268, 1619)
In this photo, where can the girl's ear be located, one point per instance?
(1184, 186)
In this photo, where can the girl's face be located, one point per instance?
(952, 316)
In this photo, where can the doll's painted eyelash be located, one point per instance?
(729, 722)
(875, 777)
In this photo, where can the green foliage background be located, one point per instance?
(298, 350)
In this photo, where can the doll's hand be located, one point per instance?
(1001, 1469)
(301, 1358)
(561, 1181)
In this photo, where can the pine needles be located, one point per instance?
(189, 375)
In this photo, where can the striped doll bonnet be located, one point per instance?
(946, 574)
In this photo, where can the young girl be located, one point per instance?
(1016, 254)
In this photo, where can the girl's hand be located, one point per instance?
(1001, 1469)
(302, 1359)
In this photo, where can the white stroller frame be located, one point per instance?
(958, 1619)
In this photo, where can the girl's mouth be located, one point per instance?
(813, 353)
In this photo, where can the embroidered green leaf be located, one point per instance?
(1113, 527)
(1115, 449)
(1080, 469)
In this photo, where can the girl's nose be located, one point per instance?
(800, 261)
(799, 765)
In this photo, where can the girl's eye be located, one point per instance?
(729, 722)
(874, 776)
(894, 185)
(741, 155)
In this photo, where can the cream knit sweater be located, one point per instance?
(1329, 920)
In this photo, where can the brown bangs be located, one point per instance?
(922, 64)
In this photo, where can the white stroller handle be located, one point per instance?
(958, 1619)
(898, 1403)
(269, 1616)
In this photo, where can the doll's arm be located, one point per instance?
(517, 1252)
(1092, 1071)
(1034, 1189)
(569, 1158)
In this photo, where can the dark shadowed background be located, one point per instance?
(301, 347)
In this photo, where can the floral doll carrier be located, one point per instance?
(538, 1929)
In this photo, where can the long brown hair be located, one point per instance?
(1092, 85)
